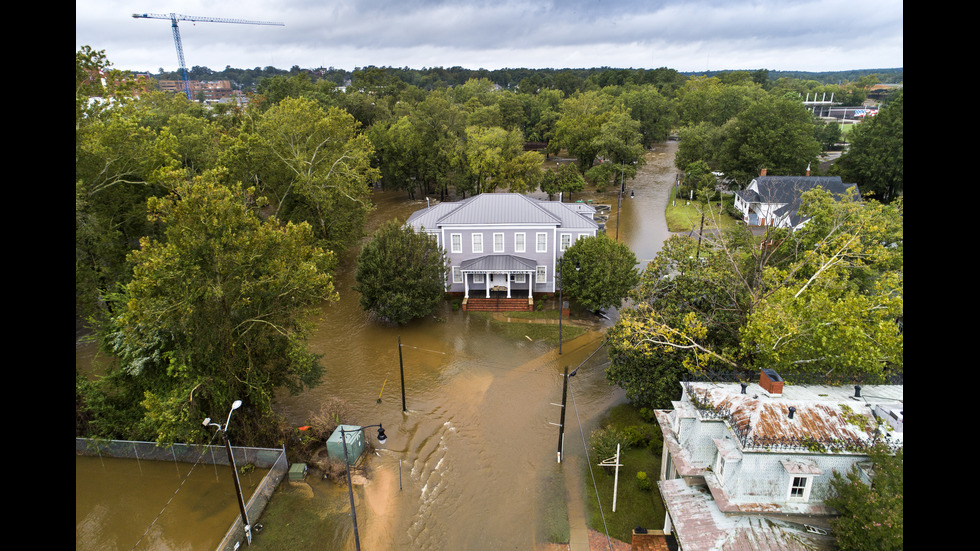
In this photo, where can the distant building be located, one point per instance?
(748, 467)
(213, 91)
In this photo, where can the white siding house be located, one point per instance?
(775, 200)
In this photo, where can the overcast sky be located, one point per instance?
(686, 35)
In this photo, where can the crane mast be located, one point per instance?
(174, 17)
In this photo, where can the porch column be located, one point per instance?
(466, 285)
(508, 284)
(486, 281)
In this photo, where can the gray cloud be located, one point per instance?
(685, 35)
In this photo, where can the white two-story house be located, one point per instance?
(748, 466)
(775, 200)
(504, 242)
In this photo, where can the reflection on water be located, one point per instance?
(480, 436)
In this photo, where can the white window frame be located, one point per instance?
(476, 240)
(456, 242)
(498, 246)
(541, 274)
(539, 246)
(519, 242)
(720, 467)
(457, 274)
(566, 241)
(798, 492)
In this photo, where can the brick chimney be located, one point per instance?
(771, 382)
(763, 171)
(808, 169)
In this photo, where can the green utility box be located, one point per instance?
(297, 472)
(355, 443)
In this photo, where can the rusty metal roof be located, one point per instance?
(821, 413)
(698, 524)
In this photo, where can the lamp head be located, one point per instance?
(381, 435)
(206, 421)
(236, 404)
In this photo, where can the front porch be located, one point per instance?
(499, 302)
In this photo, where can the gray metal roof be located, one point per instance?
(501, 209)
(499, 263)
(787, 191)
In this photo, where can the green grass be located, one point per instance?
(685, 216)
(294, 520)
(553, 525)
(635, 506)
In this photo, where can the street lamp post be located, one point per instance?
(350, 490)
(234, 470)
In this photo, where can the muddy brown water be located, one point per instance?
(464, 467)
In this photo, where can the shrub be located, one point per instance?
(603, 442)
(643, 482)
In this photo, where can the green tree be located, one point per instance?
(773, 133)
(328, 162)
(564, 179)
(579, 126)
(875, 160)
(216, 311)
(598, 271)
(401, 273)
(496, 158)
(871, 517)
(825, 299)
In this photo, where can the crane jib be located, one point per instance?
(175, 17)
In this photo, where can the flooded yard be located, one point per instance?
(464, 467)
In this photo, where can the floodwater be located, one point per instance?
(157, 513)
(464, 467)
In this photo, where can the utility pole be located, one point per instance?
(401, 368)
(561, 424)
(613, 462)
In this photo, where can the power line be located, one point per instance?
(585, 446)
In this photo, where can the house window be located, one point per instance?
(542, 274)
(799, 488)
(542, 246)
(457, 242)
(457, 275)
(518, 242)
(498, 242)
(517, 278)
(566, 241)
(478, 242)
(477, 278)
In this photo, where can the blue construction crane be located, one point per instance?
(174, 17)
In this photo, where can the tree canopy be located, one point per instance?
(824, 301)
(401, 273)
(598, 271)
(216, 310)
